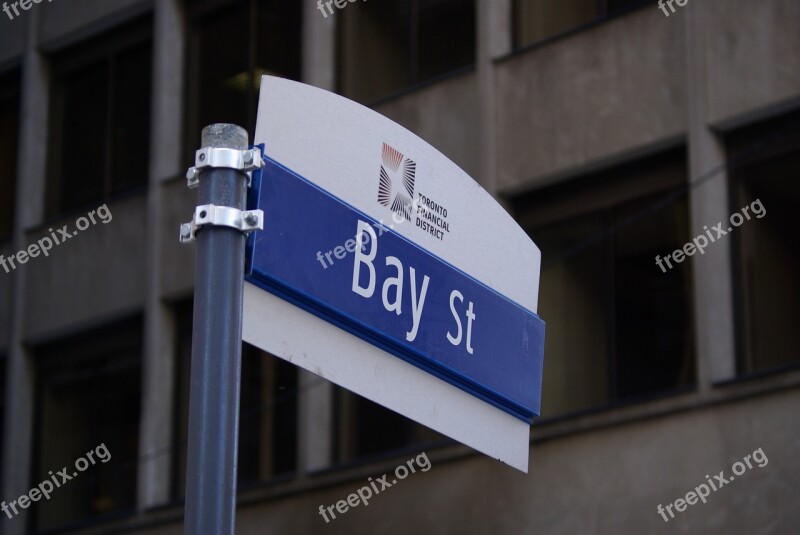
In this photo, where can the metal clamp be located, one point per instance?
(221, 216)
(213, 157)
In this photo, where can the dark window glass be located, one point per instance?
(618, 326)
(374, 49)
(536, 20)
(130, 125)
(268, 417)
(764, 185)
(84, 100)
(9, 135)
(652, 310)
(89, 395)
(445, 37)
(219, 58)
(389, 45)
(100, 119)
(230, 48)
(267, 411)
(618, 6)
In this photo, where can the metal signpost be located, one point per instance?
(221, 175)
(371, 260)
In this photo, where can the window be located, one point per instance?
(9, 136)
(389, 45)
(230, 48)
(365, 429)
(267, 411)
(89, 393)
(765, 165)
(100, 124)
(618, 327)
(536, 20)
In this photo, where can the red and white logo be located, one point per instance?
(396, 185)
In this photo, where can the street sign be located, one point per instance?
(390, 272)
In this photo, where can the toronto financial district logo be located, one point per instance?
(396, 186)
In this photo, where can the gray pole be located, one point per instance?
(216, 349)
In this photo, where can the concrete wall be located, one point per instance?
(592, 96)
(177, 207)
(65, 22)
(620, 87)
(102, 269)
(607, 479)
(751, 58)
(446, 116)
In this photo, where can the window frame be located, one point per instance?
(197, 11)
(105, 49)
(599, 192)
(51, 357)
(751, 146)
(415, 81)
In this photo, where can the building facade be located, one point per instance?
(652, 153)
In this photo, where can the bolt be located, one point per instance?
(250, 218)
(186, 231)
(248, 157)
(202, 156)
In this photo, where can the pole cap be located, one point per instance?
(225, 136)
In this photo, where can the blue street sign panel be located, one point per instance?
(334, 261)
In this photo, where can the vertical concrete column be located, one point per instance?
(319, 47)
(493, 25)
(315, 402)
(708, 204)
(21, 373)
(159, 360)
